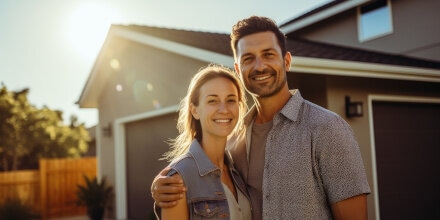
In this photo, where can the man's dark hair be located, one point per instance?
(256, 24)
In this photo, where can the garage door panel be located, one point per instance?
(407, 142)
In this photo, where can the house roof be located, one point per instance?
(220, 43)
(309, 57)
(216, 42)
(315, 11)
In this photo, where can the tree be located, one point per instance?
(28, 133)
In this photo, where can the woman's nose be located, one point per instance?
(222, 107)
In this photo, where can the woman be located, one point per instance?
(212, 109)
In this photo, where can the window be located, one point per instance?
(374, 20)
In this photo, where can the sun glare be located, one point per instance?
(88, 26)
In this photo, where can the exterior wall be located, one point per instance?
(147, 78)
(312, 87)
(413, 30)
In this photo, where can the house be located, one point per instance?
(386, 84)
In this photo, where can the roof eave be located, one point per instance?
(329, 12)
(361, 69)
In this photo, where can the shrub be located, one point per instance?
(14, 208)
(95, 196)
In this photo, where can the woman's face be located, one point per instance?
(218, 109)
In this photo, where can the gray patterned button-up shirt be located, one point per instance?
(312, 160)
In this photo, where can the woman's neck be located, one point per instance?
(215, 150)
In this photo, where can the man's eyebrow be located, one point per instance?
(247, 54)
(269, 49)
(264, 50)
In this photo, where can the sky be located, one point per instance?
(50, 46)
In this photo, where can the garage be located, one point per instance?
(407, 152)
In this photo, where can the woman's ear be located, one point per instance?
(194, 112)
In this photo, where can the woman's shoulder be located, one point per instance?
(182, 164)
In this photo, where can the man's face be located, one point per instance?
(261, 65)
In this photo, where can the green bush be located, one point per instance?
(14, 208)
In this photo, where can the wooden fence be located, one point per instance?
(50, 191)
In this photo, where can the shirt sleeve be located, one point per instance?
(340, 162)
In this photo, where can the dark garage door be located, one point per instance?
(145, 142)
(407, 145)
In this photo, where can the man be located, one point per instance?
(299, 160)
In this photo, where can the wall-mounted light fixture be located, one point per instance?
(353, 109)
(107, 130)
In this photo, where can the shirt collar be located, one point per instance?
(290, 110)
(293, 106)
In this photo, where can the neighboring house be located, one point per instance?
(142, 73)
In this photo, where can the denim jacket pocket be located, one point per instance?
(211, 209)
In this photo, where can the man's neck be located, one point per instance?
(267, 107)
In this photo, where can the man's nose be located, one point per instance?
(260, 64)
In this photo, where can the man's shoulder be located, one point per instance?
(318, 110)
(317, 115)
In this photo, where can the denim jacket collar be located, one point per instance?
(204, 165)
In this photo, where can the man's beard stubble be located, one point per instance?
(265, 90)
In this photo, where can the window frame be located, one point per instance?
(361, 33)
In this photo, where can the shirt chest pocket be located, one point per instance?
(211, 209)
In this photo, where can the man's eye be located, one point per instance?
(269, 54)
(212, 101)
(246, 60)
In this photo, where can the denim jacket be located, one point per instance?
(205, 195)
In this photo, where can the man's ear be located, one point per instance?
(237, 70)
(194, 112)
(288, 60)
